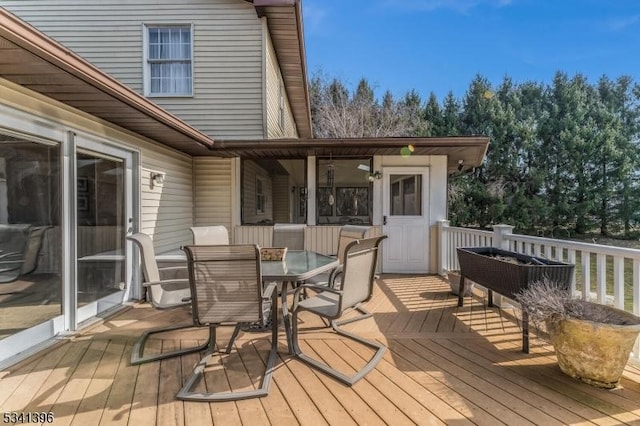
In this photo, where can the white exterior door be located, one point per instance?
(405, 220)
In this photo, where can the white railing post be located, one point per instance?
(499, 233)
(443, 246)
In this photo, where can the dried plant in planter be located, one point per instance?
(547, 301)
(592, 341)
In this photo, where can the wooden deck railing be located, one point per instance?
(604, 274)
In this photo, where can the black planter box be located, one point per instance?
(478, 264)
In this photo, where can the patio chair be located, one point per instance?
(162, 294)
(348, 233)
(226, 288)
(290, 235)
(210, 235)
(329, 303)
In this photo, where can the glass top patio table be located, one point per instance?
(298, 265)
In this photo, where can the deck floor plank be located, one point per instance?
(444, 365)
(92, 405)
(20, 390)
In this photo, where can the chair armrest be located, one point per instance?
(269, 289)
(162, 282)
(335, 273)
(172, 268)
(11, 262)
(11, 253)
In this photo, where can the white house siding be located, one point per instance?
(228, 82)
(274, 81)
(213, 189)
(166, 210)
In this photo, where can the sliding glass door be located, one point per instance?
(103, 212)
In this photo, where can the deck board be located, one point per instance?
(444, 365)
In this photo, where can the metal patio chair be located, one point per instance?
(290, 235)
(210, 235)
(357, 287)
(348, 233)
(226, 288)
(162, 294)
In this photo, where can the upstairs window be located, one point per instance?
(168, 65)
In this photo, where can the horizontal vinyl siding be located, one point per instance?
(274, 81)
(227, 101)
(166, 209)
(213, 191)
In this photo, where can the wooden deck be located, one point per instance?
(445, 365)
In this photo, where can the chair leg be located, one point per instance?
(187, 393)
(137, 353)
(348, 380)
(233, 338)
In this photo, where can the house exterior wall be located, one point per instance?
(166, 211)
(276, 127)
(214, 187)
(228, 53)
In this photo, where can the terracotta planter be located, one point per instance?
(594, 353)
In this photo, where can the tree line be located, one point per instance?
(564, 156)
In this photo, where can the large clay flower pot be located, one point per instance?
(592, 352)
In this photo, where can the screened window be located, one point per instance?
(169, 61)
(273, 191)
(344, 191)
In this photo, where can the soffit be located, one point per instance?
(468, 151)
(284, 20)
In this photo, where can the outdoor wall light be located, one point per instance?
(377, 175)
(157, 178)
(460, 165)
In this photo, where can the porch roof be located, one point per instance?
(468, 151)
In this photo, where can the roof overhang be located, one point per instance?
(462, 152)
(284, 20)
(31, 59)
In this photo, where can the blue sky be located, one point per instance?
(440, 45)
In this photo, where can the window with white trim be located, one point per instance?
(168, 62)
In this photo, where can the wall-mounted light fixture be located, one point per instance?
(156, 178)
(460, 165)
(377, 175)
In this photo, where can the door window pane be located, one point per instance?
(101, 226)
(406, 195)
(30, 244)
